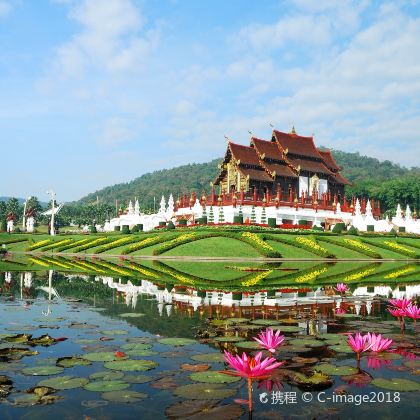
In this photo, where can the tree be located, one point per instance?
(211, 215)
(263, 217)
(253, 217)
(12, 205)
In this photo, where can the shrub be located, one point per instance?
(203, 220)
(170, 225)
(182, 222)
(17, 229)
(153, 240)
(125, 230)
(318, 228)
(339, 227)
(302, 222)
(135, 229)
(238, 219)
(352, 244)
(370, 228)
(352, 231)
(393, 232)
(92, 229)
(272, 223)
(401, 229)
(117, 228)
(162, 223)
(3, 226)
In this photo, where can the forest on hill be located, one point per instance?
(383, 180)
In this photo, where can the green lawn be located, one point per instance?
(218, 246)
(215, 247)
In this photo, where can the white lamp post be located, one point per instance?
(52, 194)
(24, 212)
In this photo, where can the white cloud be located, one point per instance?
(115, 132)
(109, 39)
(5, 8)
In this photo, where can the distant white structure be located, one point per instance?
(225, 214)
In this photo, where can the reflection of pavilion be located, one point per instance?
(220, 304)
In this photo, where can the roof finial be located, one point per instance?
(293, 130)
(250, 132)
(271, 125)
(227, 139)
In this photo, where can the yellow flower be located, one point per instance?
(256, 239)
(310, 276)
(311, 244)
(357, 244)
(398, 247)
(359, 275)
(399, 273)
(256, 279)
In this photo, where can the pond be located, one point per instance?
(126, 338)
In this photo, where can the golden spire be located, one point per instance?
(293, 130)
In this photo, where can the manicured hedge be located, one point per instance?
(92, 229)
(117, 228)
(182, 222)
(116, 243)
(162, 223)
(352, 244)
(150, 241)
(339, 227)
(370, 228)
(125, 230)
(401, 229)
(238, 219)
(352, 231)
(399, 248)
(94, 243)
(170, 225)
(272, 222)
(308, 245)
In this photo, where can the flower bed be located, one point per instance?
(392, 246)
(74, 244)
(311, 276)
(56, 244)
(401, 272)
(95, 242)
(352, 244)
(255, 279)
(257, 242)
(303, 243)
(116, 243)
(359, 275)
(144, 244)
(39, 244)
(180, 240)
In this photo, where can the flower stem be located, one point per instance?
(250, 394)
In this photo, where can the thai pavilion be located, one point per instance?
(288, 164)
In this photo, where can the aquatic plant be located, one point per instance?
(378, 343)
(341, 288)
(269, 340)
(250, 368)
(359, 344)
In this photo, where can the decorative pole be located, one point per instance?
(52, 194)
(24, 213)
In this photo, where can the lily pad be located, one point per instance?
(253, 345)
(127, 397)
(177, 341)
(228, 339)
(204, 391)
(330, 369)
(317, 380)
(412, 364)
(208, 357)
(288, 328)
(107, 375)
(137, 379)
(341, 348)
(82, 326)
(64, 382)
(69, 362)
(131, 315)
(131, 365)
(42, 370)
(396, 384)
(25, 400)
(195, 367)
(136, 346)
(310, 342)
(213, 377)
(141, 353)
(267, 322)
(237, 320)
(100, 356)
(49, 319)
(114, 332)
(203, 410)
(387, 356)
(104, 386)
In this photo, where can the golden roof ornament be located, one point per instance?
(293, 130)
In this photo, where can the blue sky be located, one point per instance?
(95, 92)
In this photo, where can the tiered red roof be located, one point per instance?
(284, 155)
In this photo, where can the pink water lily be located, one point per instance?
(412, 311)
(250, 368)
(375, 363)
(359, 343)
(399, 303)
(269, 340)
(342, 288)
(396, 312)
(377, 342)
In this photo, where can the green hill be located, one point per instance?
(383, 180)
